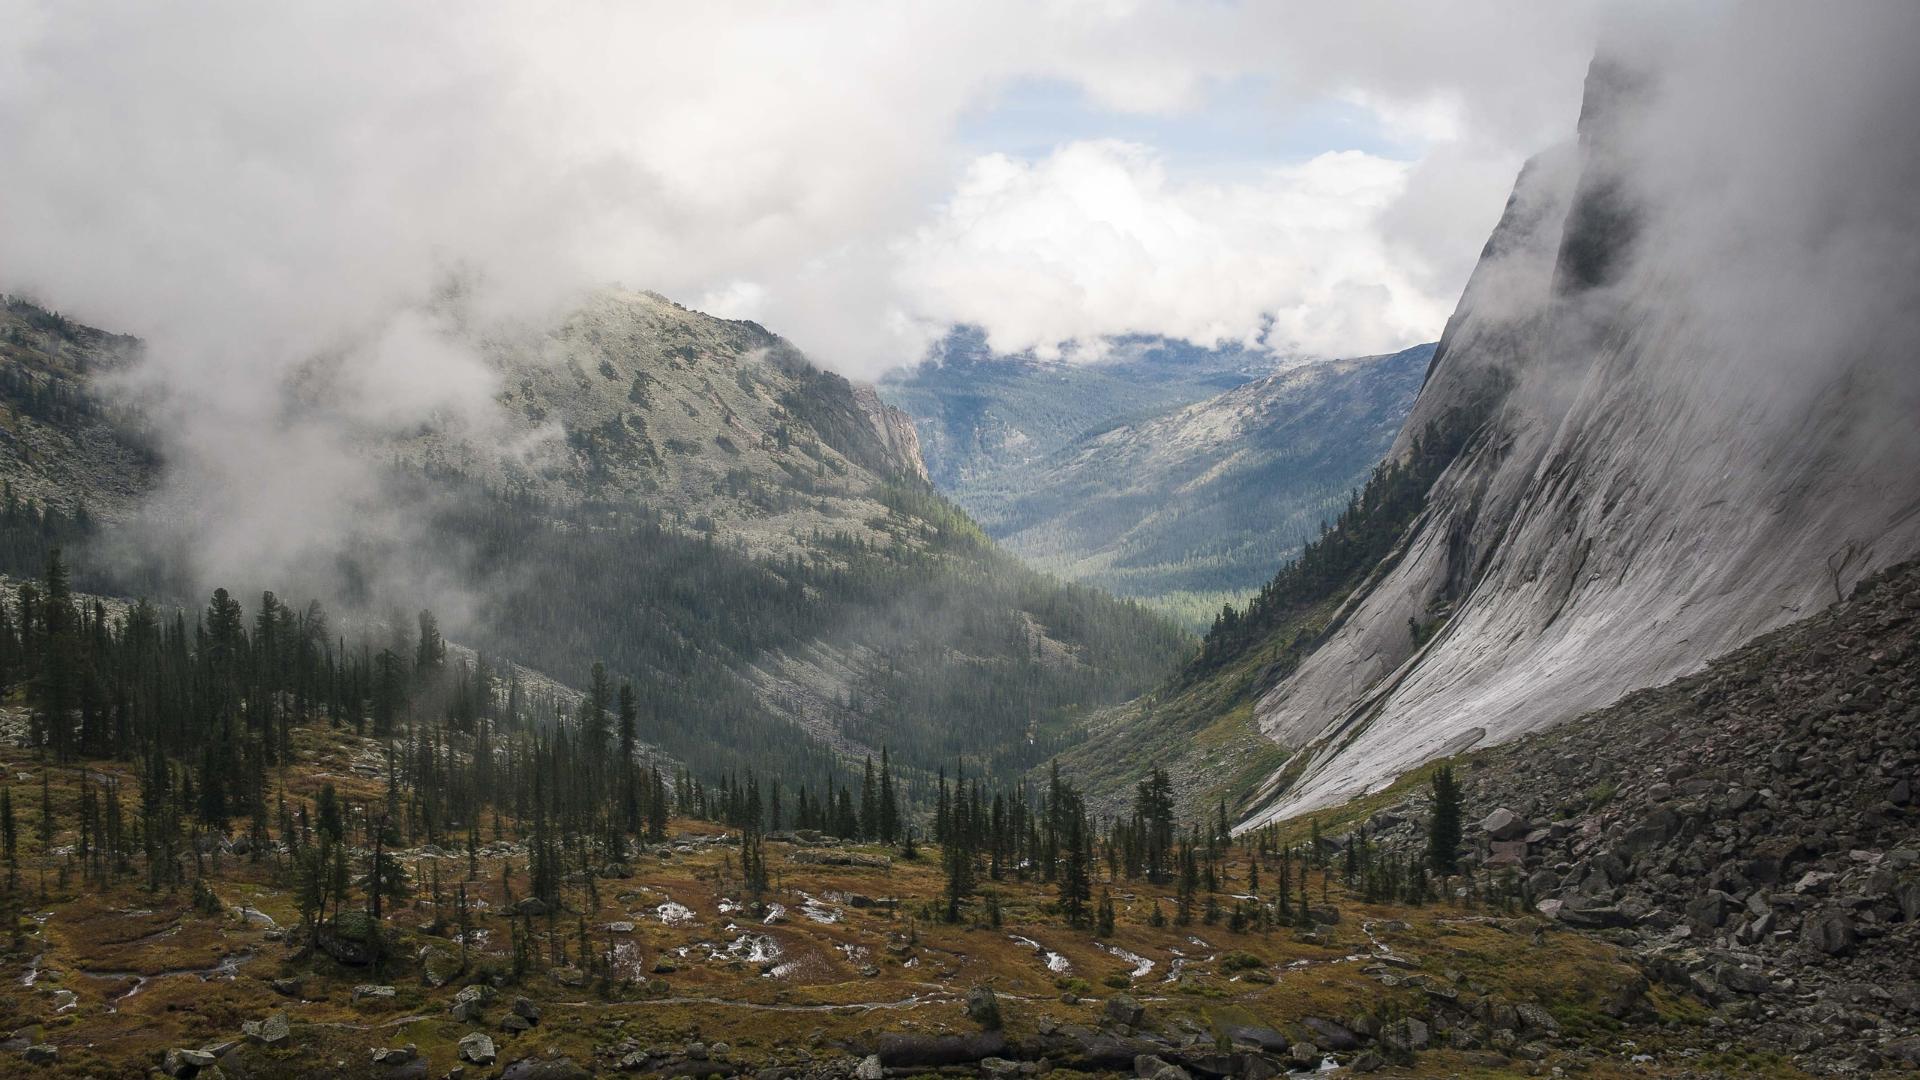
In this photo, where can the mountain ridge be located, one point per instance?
(1190, 508)
(746, 536)
(1650, 491)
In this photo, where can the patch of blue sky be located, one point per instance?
(1239, 126)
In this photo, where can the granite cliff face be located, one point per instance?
(1694, 440)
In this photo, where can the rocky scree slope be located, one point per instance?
(1751, 832)
(1193, 507)
(61, 446)
(1686, 452)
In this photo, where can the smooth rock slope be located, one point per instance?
(1701, 347)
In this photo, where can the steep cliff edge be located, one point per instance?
(1701, 358)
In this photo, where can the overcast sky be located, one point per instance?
(247, 183)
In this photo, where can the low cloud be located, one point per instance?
(1099, 239)
(277, 198)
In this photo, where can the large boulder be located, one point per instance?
(1504, 824)
(41, 1054)
(439, 965)
(1123, 1009)
(1405, 1035)
(983, 1007)
(1830, 932)
(182, 1063)
(1091, 1052)
(1263, 1037)
(1534, 1018)
(469, 1005)
(560, 1068)
(275, 1030)
(1330, 1035)
(899, 1049)
(477, 1048)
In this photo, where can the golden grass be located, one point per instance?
(891, 967)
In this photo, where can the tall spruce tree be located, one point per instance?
(1443, 830)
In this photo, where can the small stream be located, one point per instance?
(227, 968)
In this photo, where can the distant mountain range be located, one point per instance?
(1138, 473)
(980, 413)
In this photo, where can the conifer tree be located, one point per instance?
(1443, 830)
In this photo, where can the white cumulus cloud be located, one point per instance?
(1101, 238)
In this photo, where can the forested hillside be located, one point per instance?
(741, 536)
(1193, 508)
(1201, 723)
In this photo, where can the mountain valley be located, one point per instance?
(421, 659)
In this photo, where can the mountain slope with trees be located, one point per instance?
(744, 537)
(1192, 508)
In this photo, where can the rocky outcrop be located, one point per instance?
(1751, 832)
(894, 429)
(63, 446)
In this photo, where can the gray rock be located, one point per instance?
(525, 1009)
(1123, 1009)
(909, 1050)
(1503, 824)
(390, 1056)
(275, 1030)
(1743, 980)
(477, 1048)
(1908, 895)
(1263, 1037)
(181, 1063)
(366, 991)
(1710, 910)
(41, 1054)
(1830, 932)
(869, 1068)
(1534, 1018)
(1594, 917)
(1406, 1035)
(1147, 1065)
(560, 1068)
(983, 1007)
(1331, 1035)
